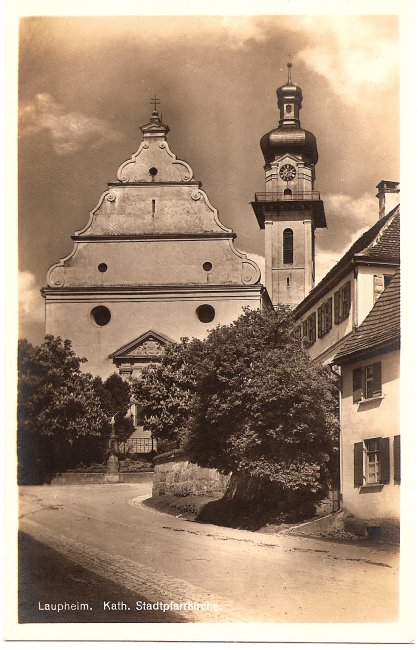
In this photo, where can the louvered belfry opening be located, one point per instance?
(287, 246)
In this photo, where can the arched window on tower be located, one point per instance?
(287, 246)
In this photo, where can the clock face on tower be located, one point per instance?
(287, 172)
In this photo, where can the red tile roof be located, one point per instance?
(387, 244)
(380, 329)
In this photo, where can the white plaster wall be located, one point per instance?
(375, 418)
(366, 288)
(296, 272)
(168, 261)
(173, 316)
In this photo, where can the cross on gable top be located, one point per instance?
(155, 101)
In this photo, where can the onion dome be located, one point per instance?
(289, 137)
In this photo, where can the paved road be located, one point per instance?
(246, 576)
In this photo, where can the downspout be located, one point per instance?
(340, 447)
(355, 298)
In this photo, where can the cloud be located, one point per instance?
(358, 55)
(260, 261)
(69, 131)
(31, 303)
(239, 30)
(347, 219)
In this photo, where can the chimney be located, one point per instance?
(388, 193)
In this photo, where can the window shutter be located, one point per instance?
(346, 290)
(336, 307)
(377, 379)
(327, 324)
(320, 319)
(397, 458)
(378, 286)
(384, 460)
(358, 464)
(357, 384)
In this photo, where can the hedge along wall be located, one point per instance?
(174, 474)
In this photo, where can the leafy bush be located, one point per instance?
(248, 400)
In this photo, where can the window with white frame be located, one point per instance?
(371, 462)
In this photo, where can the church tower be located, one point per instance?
(290, 209)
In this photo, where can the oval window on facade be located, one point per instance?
(101, 315)
(102, 267)
(207, 266)
(205, 313)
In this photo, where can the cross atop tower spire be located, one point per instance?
(289, 70)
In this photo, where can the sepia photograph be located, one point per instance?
(208, 354)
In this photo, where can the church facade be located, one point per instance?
(153, 264)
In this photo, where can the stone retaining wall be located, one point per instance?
(179, 477)
(90, 478)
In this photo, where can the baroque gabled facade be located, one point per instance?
(153, 261)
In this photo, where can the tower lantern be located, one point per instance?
(290, 209)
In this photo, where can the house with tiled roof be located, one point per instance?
(340, 302)
(370, 424)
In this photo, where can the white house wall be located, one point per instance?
(369, 419)
(365, 292)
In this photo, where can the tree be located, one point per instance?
(59, 412)
(252, 403)
(165, 392)
(115, 397)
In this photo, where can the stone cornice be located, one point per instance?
(156, 237)
(150, 292)
(152, 184)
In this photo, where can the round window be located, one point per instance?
(207, 266)
(153, 171)
(101, 315)
(205, 313)
(102, 267)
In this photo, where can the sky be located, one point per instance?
(85, 85)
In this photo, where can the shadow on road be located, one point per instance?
(47, 577)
